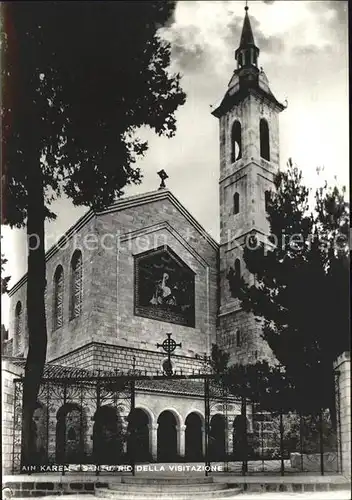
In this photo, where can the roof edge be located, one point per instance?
(122, 204)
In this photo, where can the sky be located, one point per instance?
(304, 53)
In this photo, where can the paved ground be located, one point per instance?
(329, 495)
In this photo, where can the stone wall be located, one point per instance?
(9, 372)
(110, 241)
(110, 357)
(74, 332)
(250, 176)
(145, 228)
(343, 369)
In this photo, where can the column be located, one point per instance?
(203, 440)
(153, 440)
(181, 440)
(89, 436)
(229, 437)
(343, 366)
(124, 427)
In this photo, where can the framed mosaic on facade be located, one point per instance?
(164, 287)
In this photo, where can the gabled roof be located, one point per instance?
(120, 205)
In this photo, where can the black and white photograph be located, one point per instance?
(175, 249)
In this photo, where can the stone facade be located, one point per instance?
(9, 372)
(343, 369)
(109, 243)
(110, 357)
(249, 176)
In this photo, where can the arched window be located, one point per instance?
(236, 203)
(238, 268)
(58, 298)
(236, 141)
(18, 321)
(76, 285)
(238, 338)
(264, 139)
(267, 199)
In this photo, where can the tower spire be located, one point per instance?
(247, 52)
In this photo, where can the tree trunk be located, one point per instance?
(37, 334)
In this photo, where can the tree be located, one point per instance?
(78, 80)
(4, 279)
(301, 288)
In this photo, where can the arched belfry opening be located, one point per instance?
(236, 141)
(264, 139)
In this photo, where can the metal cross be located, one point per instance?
(163, 175)
(169, 345)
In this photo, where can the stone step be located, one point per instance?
(164, 495)
(157, 488)
(166, 480)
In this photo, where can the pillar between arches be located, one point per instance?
(153, 440)
(203, 439)
(181, 442)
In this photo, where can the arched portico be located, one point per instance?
(70, 434)
(169, 441)
(107, 435)
(217, 437)
(138, 431)
(193, 437)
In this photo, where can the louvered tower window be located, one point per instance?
(76, 285)
(58, 305)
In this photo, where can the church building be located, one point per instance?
(122, 280)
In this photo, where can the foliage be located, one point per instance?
(301, 287)
(4, 279)
(78, 81)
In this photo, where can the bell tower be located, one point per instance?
(249, 157)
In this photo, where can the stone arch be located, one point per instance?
(194, 436)
(217, 444)
(138, 431)
(70, 429)
(199, 413)
(108, 435)
(148, 411)
(176, 414)
(241, 437)
(167, 434)
(39, 434)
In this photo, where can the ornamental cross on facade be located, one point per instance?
(169, 345)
